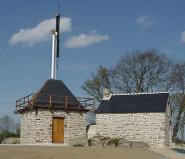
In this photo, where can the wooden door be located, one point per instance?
(58, 130)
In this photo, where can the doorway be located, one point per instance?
(58, 130)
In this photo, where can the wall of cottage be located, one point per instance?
(151, 128)
(36, 126)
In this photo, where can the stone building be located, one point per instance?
(52, 115)
(135, 117)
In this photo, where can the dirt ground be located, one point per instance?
(59, 152)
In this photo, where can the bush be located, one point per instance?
(8, 128)
(7, 134)
(178, 141)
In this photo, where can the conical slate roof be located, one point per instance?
(55, 94)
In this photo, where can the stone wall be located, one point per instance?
(151, 128)
(36, 126)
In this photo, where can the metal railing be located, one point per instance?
(24, 102)
(55, 101)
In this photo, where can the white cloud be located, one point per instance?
(84, 40)
(145, 22)
(183, 37)
(39, 33)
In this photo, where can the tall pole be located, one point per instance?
(55, 47)
(54, 55)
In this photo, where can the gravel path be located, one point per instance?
(176, 152)
(57, 152)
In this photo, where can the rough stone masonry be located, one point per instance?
(151, 128)
(36, 126)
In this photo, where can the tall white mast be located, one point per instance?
(54, 55)
(55, 47)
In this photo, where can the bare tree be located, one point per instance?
(177, 125)
(7, 124)
(178, 77)
(8, 128)
(182, 123)
(178, 83)
(139, 71)
(98, 81)
(142, 71)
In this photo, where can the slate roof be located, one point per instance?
(58, 90)
(140, 103)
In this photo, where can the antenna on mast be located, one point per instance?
(58, 33)
(55, 47)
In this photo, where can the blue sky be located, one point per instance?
(94, 32)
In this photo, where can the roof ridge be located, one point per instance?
(142, 93)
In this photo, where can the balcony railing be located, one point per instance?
(54, 101)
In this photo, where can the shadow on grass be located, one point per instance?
(179, 150)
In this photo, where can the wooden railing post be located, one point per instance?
(16, 105)
(24, 101)
(66, 102)
(79, 105)
(94, 104)
(50, 101)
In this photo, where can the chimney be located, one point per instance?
(106, 94)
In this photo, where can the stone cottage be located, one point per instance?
(135, 117)
(52, 115)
